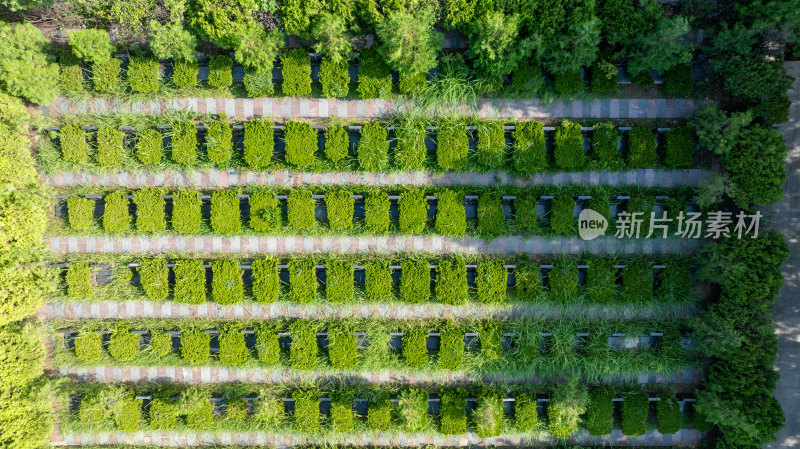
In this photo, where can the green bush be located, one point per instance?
(525, 213)
(301, 143)
(195, 346)
(526, 416)
(413, 409)
(306, 412)
(186, 211)
(184, 73)
(528, 281)
(88, 346)
(568, 152)
(154, 278)
(73, 143)
(184, 143)
(161, 343)
(265, 211)
(634, 414)
(105, 75)
(220, 71)
(451, 281)
(601, 280)
(452, 146)
(415, 281)
(300, 206)
(225, 213)
(340, 209)
(599, 203)
(451, 218)
(335, 78)
(604, 143)
(296, 70)
(339, 284)
(266, 280)
(80, 212)
(226, 282)
(562, 214)
(491, 279)
(337, 142)
(149, 146)
(415, 349)
(637, 281)
(92, 410)
(236, 409)
(91, 45)
(567, 83)
(268, 345)
(302, 281)
(490, 215)
(190, 281)
(219, 141)
(453, 412)
(342, 346)
(198, 408)
(379, 415)
(123, 345)
(491, 339)
(143, 74)
(410, 84)
(150, 214)
(567, 403)
(258, 143)
(27, 71)
(604, 77)
(269, 410)
(528, 79)
(451, 346)
(669, 415)
(127, 413)
(413, 209)
(410, 152)
(342, 412)
(678, 80)
(79, 280)
(488, 416)
(374, 79)
(71, 75)
(110, 146)
(303, 352)
(675, 281)
(563, 280)
(378, 281)
(641, 148)
(258, 83)
(163, 414)
(491, 150)
(529, 154)
(642, 205)
(232, 347)
(679, 147)
(600, 412)
(373, 148)
(376, 212)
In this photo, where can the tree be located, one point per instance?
(496, 46)
(717, 130)
(333, 40)
(755, 165)
(26, 70)
(91, 45)
(257, 49)
(171, 41)
(623, 20)
(409, 42)
(221, 22)
(575, 48)
(20, 5)
(661, 49)
(754, 78)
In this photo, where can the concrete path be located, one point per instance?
(787, 308)
(215, 178)
(296, 107)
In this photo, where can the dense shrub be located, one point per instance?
(488, 416)
(490, 336)
(225, 213)
(258, 143)
(604, 143)
(184, 73)
(342, 412)
(675, 281)
(410, 152)
(451, 346)
(568, 152)
(236, 409)
(190, 281)
(415, 350)
(258, 83)
(412, 83)
(526, 416)
(219, 141)
(226, 282)
(668, 412)
(296, 70)
(600, 412)
(453, 413)
(150, 214)
(266, 280)
(568, 82)
(143, 74)
(567, 403)
(220, 71)
(232, 347)
(413, 209)
(303, 352)
(91, 45)
(562, 214)
(71, 76)
(563, 280)
(153, 277)
(604, 77)
(73, 143)
(337, 143)
(376, 212)
(529, 154)
(110, 146)
(306, 412)
(127, 413)
(451, 282)
(335, 78)
(601, 279)
(342, 346)
(26, 68)
(637, 281)
(756, 180)
(525, 211)
(302, 281)
(452, 146)
(163, 414)
(528, 281)
(678, 80)
(451, 218)
(80, 212)
(184, 143)
(123, 345)
(340, 209)
(491, 279)
(374, 79)
(149, 146)
(751, 78)
(641, 148)
(408, 40)
(634, 414)
(379, 414)
(490, 215)
(301, 143)
(88, 346)
(599, 203)
(105, 75)
(491, 150)
(161, 343)
(265, 211)
(300, 207)
(373, 148)
(413, 409)
(198, 409)
(186, 211)
(170, 40)
(415, 281)
(679, 147)
(195, 346)
(339, 283)
(268, 346)
(79, 281)
(378, 281)
(528, 79)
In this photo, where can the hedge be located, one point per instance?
(529, 154)
(105, 75)
(488, 416)
(342, 412)
(600, 412)
(302, 281)
(339, 284)
(73, 143)
(220, 71)
(225, 212)
(335, 78)
(679, 147)
(342, 346)
(184, 73)
(79, 281)
(450, 216)
(641, 148)
(601, 279)
(669, 415)
(268, 346)
(451, 346)
(413, 210)
(453, 413)
(186, 211)
(123, 345)
(195, 346)
(266, 280)
(110, 146)
(190, 282)
(150, 213)
(452, 146)
(301, 143)
(678, 80)
(340, 209)
(491, 340)
(491, 280)
(637, 281)
(451, 281)
(197, 408)
(337, 143)
(219, 141)
(265, 211)
(184, 143)
(490, 215)
(296, 71)
(634, 414)
(568, 83)
(378, 281)
(675, 281)
(226, 282)
(604, 80)
(154, 278)
(128, 413)
(379, 415)
(491, 149)
(410, 151)
(563, 280)
(605, 140)
(415, 349)
(71, 76)
(163, 414)
(413, 409)
(415, 281)
(303, 352)
(306, 412)
(528, 281)
(269, 410)
(80, 212)
(232, 347)
(376, 212)
(373, 148)
(300, 206)
(161, 343)
(149, 146)
(374, 79)
(88, 346)
(526, 416)
(143, 74)
(525, 211)
(568, 152)
(258, 83)
(562, 214)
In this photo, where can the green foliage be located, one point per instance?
(225, 214)
(568, 152)
(494, 41)
(662, 48)
(258, 83)
(184, 73)
(219, 141)
(143, 74)
(408, 40)
(265, 211)
(413, 209)
(491, 279)
(161, 343)
(641, 148)
(335, 78)
(190, 281)
(562, 214)
(528, 281)
(337, 142)
(79, 281)
(268, 347)
(222, 23)
(150, 215)
(452, 146)
(256, 51)
(415, 350)
(186, 211)
(306, 412)
(413, 409)
(339, 284)
(604, 76)
(13, 114)
(149, 146)
(412, 83)
(153, 277)
(301, 143)
(601, 278)
(88, 346)
(226, 282)
(450, 216)
(105, 75)
(236, 409)
(127, 413)
(220, 71)
(163, 414)
(526, 417)
(232, 348)
(26, 70)
(679, 147)
(373, 148)
(568, 82)
(488, 416)
(751, 79)
(415, 281)
(91, 45)
(376, 212)
(184, 143)
(342, 413)
(110, 146)
(410, 152)
(258, 143)
(451, 282)
(490, 215)
(333, 41)
(634, 414)
(20, 5)
(676, 281)
(528, 79)
(453, 413)
(123, 345)
(303, 352)
(573, 48)
(491, 150)
(491, 339)
(73, 143)
(302, 281)
(525, 213)
(171, 41)
(379, 415)
(563, 280)
(198, 409)
(756, 179)
(622, 20)
(451, 346)
(668, 412)
(342, 346)
(600, 412)
(378, 281)
(195, 346)
(567, 403)
(80, 212)
(604, 143)
(296, 70)
(678, 80)
(300, 206)
(266, 280)
(529, 153)
(374, 79)
(637, 281)
(22, 358)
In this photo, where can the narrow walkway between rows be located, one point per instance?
(379, 244)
